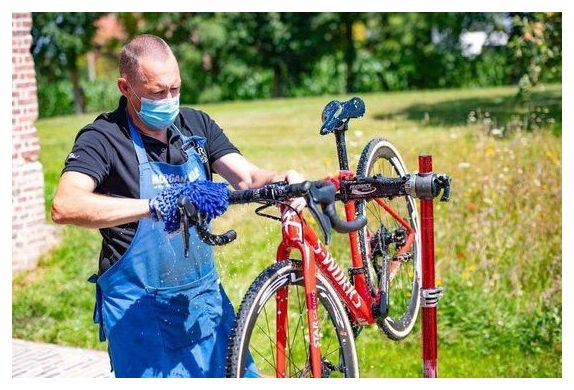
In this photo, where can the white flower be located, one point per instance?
(497, 132)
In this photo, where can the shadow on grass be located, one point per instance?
(545, 106)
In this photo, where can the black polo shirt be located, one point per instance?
(104, 151)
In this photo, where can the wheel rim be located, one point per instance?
(262, 339)
(401, 293)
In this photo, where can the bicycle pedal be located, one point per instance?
(431, 296)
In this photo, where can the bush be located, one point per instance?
(100, 95)
(369, 70)
(241, 82)
(55, 98)
(327, 77)
(210, 95)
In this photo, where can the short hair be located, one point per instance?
(141, 46)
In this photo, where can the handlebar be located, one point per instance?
(316, 193)
(419, 186)
(428, 186)
(324, 194)
(214, 239)
(275, 191)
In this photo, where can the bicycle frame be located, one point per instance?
(356, 294)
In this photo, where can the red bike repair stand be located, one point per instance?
(430, 294)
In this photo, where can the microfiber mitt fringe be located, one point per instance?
(209, 198)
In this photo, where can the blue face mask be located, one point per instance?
(158, 114)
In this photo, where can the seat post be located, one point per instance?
(342, 147)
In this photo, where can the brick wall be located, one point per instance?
(31, 235)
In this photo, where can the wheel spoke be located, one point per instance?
(273, 343)
(269, 330)
(262, 357)
(261, 326)
(299, 323)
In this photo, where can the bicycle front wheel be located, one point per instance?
(383, 238)
(261, 326)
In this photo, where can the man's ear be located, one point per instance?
(122, 84)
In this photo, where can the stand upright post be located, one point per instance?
(429, 293)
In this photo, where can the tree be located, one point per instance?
(58, 41)
(199, 42)
(338, 33)
(287, 43)
(422, 50)
(537, 47)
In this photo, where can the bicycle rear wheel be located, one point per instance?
(383, 237)
(255, 329)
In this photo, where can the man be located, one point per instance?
(162, 313)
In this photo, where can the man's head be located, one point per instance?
(149, 70)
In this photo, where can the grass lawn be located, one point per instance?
(498, 242)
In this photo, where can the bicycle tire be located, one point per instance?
(394, 321)
(287, 273)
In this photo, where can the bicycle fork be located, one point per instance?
(311, 299)
(311, 302)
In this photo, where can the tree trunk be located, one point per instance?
(79, 104)
(277, 81)
(91, 60)
(350, 53)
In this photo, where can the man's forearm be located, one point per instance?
(98, 211)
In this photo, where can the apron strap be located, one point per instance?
(140, 148)
(176, 129)
(98, 318)
(138, 142)
(185, 139)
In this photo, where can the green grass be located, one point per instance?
(498, 242)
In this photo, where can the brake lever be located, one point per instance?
(323, 221)
(183, 211)
(324, 193)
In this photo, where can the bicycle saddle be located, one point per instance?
(336, 114)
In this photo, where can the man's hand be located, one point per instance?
(209, 198)
(243, 174)
(293, 177)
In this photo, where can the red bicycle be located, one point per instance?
(300, 317)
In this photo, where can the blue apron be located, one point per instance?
(165, 315)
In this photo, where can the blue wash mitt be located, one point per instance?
(209, 198)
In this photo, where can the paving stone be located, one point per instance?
(41, 360)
